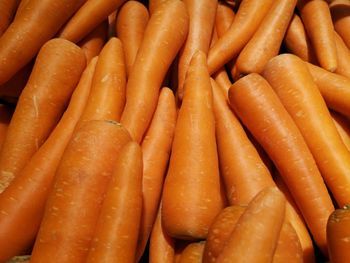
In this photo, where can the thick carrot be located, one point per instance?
(118, 224)
(333, 87)
(93, 43)
(202, 21)
(30, 189)
(156, 148)
(78, 191)
(317, 20)
(161, 245)
(107, 97)
(191, 193)
(261, 111)
(343, 54)
(254, 239)
(340, 12)
(130, 26)
(7, 11)
(193, 253)
(247, 19)
(6, 113)
(165, 33)
(338, 232)
(266, 41)
(289, 77)
(55, 74)
(88, 16)
(224, 18)
(28, 32)
(343, 127)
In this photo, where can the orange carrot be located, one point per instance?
(154, 4)
(343, 54)
(156, 147)
(7, 11)
(88, 16)
(224, 18)
(78, 191)
(180, 246)
(193, 253)
(343, 127)
(30, 189)
(165, 33)
(191, 193)
(222, 79)
(130, 26)
(27, 33)
(289, 77)
(338, 232)
(55, 74)
(247, 19)
(317, 19)
(202, 18)
(6, 113)
(266, 41)
(93, 43)
(254, 239)
(340, 12)
(254, 100)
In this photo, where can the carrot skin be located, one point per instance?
(340, 12)
(343, 55)
(8, 9)
(193, 253)
(343, 127)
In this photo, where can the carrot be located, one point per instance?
(222, 79)
(180, 246)
(93, 43)
(156, 147)
(154, 4)
(289, 77)
(338, 233)
(254, 100)
(27, 33)
(30, 189)
(202, 21)
(21, 6)
(343, 54)
(112, 20)
(317, 19)
(266, 41)
(247, 19)
(333, 87)
(88, 16)
(254, 239)
(130, 26)
(107, 97)
(7, 10)
(165, 33)
(193, 253)
(224, 18)
(117, 228)
(343, 127)
(161, 245)
(55, 74)
(6, 113)
(78, 191)
(340, 12)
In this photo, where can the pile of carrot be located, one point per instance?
(175, 131)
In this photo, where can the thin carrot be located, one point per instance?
(338, 233)
(202, 21)
(247, 19)
(165, 33)
(130, 26)
(27, 33)
(30, 189)
(88, 16)
(55, 74)
(340, 12)
(254, 100)
(156, 148)
(193, 253)
(224, 18)
(191, 194)
(266, 41)
(343, 54)
(7, 11)
(223, 80)
(343, 127)
(317, 19)
(289, 77)
(76, 197)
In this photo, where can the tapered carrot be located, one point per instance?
(27, 33)
(247, 19)
(93, 43)
(30, 189)
(202, 21)
(338, 232)
(222, 79)
(191, 193)
(78, 191)
(343, 127)
(168, 25)
(55, 74)
(161, 245)
(289, 77)
(193, 253)
(156, 148)
(224, 18)
(343, 55)
(333, 87)
(130, 26)
(316, 17)
(5, 118)
(340, 12)
(254, 100)
(7, 11)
